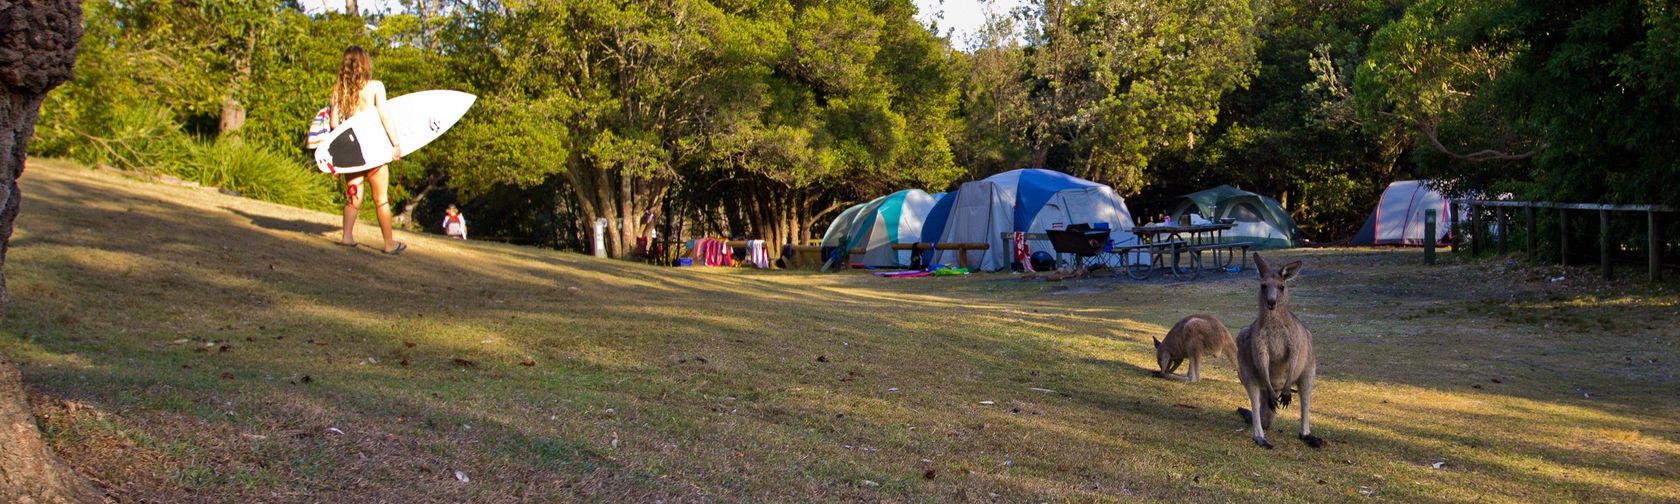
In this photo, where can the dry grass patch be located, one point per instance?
(224, 349)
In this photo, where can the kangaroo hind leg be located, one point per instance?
(1253, 416)
(1306, 385)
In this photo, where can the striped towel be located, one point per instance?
(725, 255)
(319, 127)
(712, 252)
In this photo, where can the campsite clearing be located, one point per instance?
(183, 345)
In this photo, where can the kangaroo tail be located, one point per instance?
(1229, 348)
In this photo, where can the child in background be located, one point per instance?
(454, 224)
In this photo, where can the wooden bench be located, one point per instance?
(810, 256)
(1007, 236)
(1157, 248)
(1141, 271)
(962, 249)
(1231, 247)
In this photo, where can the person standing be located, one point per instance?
(353, 92)
(454, 224)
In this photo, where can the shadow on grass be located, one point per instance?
(754, 420)
(293, 225)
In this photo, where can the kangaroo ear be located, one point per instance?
(1157, 342)
(1260, 265)
(1290, 270)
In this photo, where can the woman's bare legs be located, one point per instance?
(381, 178)
(352, 206)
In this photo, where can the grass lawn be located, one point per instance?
(183, 345)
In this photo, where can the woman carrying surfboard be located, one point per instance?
(355, 91)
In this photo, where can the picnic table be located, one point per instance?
(1177, 250)
(1182, 242)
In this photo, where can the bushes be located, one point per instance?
(258, 173)
(142, 138)
(137, 137)
(151, 78)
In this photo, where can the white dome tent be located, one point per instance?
(1027, 200)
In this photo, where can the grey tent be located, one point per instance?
(1399, 215)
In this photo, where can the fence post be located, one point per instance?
(1604, 243)
(1504, 232)
(1475, 231)
(1429, 236)
(1528, 238)
(1563, 236)
(1452, 226)
(1654, 243)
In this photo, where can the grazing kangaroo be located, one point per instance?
(1274, 353)
(1191, 338)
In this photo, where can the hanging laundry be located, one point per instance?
(757, 255)
(1018, 242)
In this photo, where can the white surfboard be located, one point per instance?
(360, 144)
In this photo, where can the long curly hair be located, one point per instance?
(353, 73)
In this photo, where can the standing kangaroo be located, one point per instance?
(1191, 338)
(1274, 353)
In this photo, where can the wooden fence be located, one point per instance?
(1478, 229)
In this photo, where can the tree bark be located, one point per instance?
(37, 53)
(630, 216)
(623, 200)
(405, 215)
(29, 472)
(233, 118)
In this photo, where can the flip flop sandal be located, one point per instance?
(399, 250)
(342, 244)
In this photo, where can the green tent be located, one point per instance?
(1258, 219)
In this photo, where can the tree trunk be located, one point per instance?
(770, 211)
(233, 112)
(606, 208)
(351, 8)
(233, 118)
(29, 472)
(626, 217)
(754, 210)
(37, 51)
(18, 110)
(405, 215)
(424, 10)
(734, 223)
(623, 200)
(799, 225)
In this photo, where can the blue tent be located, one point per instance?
(1026, 200)
(934, 225)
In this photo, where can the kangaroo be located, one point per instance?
(1191, 338)
(1273, 353)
